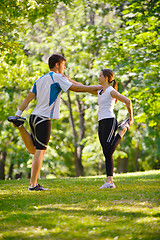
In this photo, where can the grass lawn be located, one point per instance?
(75, 208)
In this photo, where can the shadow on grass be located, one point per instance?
(62, 223)
(76, 209)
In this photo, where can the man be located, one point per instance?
(47, 91)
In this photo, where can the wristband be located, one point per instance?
(18, 113)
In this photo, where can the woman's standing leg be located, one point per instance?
(106, 131)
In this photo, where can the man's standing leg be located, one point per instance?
(41, 128)
(36, 166)
(35, 170)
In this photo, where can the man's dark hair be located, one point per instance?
(55, 58)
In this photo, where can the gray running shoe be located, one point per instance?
(18, 121)
(124, 124)
(37, 188)
(107, 185)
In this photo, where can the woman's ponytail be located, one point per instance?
(115, 85)
(109, 73)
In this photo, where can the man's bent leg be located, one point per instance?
(27, 139)
(36, 166)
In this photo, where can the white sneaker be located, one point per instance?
(107, 185)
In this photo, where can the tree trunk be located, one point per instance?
(78, 161)
(77, 138)
(10, 171)
(3, 155)
(2, 164)
(79, 148)
(136, 157)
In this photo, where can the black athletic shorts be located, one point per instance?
(40, 131)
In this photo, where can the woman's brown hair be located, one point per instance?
(109, 73)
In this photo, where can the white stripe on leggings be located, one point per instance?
(112, 131)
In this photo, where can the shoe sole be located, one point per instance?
(14, 118)
(17, 121)
(123, 122)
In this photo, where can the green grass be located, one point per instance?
(75, 208)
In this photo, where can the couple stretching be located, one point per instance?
(47, 91)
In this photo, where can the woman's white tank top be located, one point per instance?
(106, 104)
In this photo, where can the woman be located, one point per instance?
(107, 98)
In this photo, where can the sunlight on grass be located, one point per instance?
(150, 220)
(75, 209)
(150, 172)
(59, 206)
(32, 231)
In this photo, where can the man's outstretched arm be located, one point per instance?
(83, 88)
(72, 81)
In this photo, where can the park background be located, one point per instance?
(121, 35)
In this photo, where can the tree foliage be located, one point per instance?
(123, 36)
(13, 11)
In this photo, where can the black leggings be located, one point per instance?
(109, 142)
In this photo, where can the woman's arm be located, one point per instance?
(125, 100)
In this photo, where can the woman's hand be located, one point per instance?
(125, 100)
(130, 122)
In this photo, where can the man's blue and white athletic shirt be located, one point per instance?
(48, 90)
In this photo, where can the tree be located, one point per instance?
(86, 49)
(12, 13)
(91, 35)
